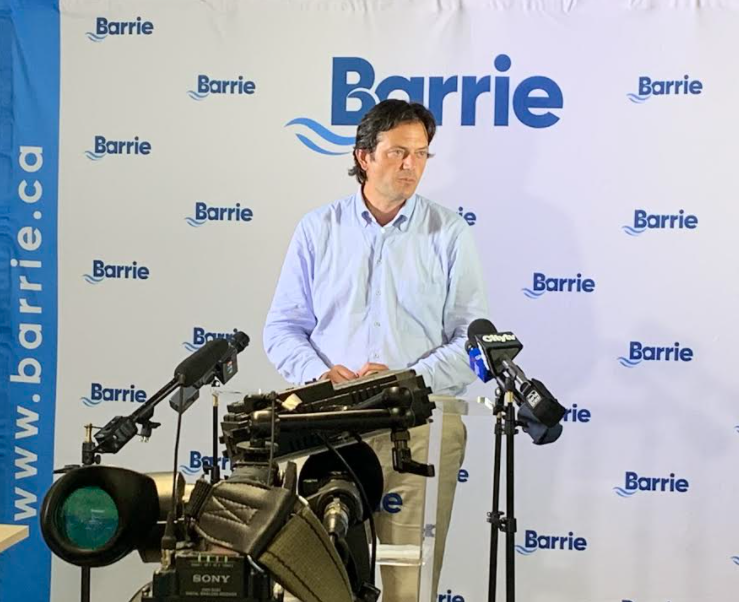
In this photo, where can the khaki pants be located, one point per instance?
(401, 583)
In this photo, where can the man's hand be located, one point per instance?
(338, 374)
(370, 368)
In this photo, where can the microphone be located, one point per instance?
(194, 367)
(491, 355)
(203, 366)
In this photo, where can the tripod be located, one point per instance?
(505, 421)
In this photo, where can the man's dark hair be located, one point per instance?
(383, 117)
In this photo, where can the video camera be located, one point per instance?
(262, 530)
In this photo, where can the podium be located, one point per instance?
(442, 444)
(11, 535)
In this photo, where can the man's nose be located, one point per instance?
(409, 162)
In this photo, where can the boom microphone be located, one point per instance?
(491, 355)
(196, 366)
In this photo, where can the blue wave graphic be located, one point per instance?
(736, 560)
(95, 37)
(636, 98)
(189, 471)
(94, 156)
(324, 134)
(627, 363)
(190, 346)
(92, 279)
(736, 428)
(195, 223)
(621, 492)
(525, 551)
(89, 402)
(631, 231)
(532, 294)
(197, 95)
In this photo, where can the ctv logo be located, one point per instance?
(633, 483)
(232, 87)
(102, 147)
(638, 353)
(500, 337)
(204, 213)
(111, 271)
(105, 28)
(679, 87)
(199, 461)
(533, 101)
(544, 284)
(200, 337)
(644, 221)
(568, 543)
(99, 393)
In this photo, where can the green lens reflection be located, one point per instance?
(88, 518)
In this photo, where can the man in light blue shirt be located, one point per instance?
(383, 278)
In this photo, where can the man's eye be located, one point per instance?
(395, 153)
(422, 154)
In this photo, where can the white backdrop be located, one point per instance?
(559, 200)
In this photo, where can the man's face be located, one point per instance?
(395, 168)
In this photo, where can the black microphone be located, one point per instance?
(498, 350)
(197, 365)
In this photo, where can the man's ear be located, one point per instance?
(363, 156)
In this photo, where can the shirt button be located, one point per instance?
(377, 324)
(377, 294)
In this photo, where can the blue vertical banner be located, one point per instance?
(29, 144)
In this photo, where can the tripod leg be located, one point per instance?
(85, 584)
(510, 515)
(494, 516)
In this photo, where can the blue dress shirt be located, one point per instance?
(352, 291)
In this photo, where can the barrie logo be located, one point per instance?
(105, 28)
(110, 271)
(468, 216)
(99, 394)
(644, 221)
(450, 596)
(533, 542)
(577, 415)
(544, 284)
(231, 87)
(354, 91)
(677, 87)
(204, 214)
(199, 461)
(392, 503)
(638, 353)
(102, 147)
(633, 483)
(200, 336)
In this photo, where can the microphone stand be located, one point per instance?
(505, 421)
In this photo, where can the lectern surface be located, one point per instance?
(11, 535)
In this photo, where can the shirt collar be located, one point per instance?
(401, 221)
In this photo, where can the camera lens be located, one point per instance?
(88, 518)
